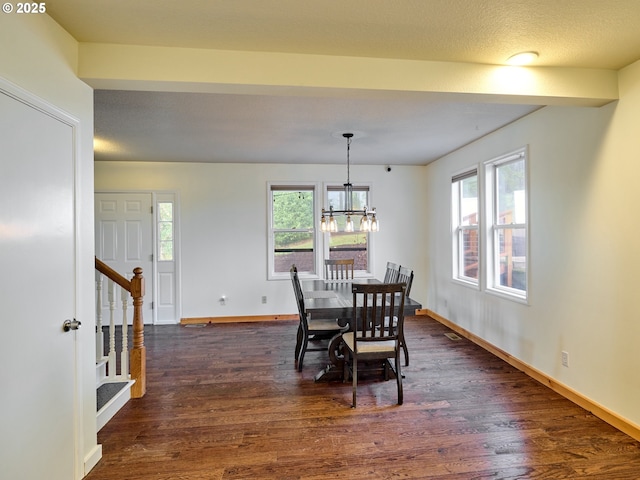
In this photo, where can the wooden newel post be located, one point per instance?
(138, 357)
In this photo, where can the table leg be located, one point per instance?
(333, 371)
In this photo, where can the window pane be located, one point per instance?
(469, 253)
(293, 209)
(350, 245)
(165, 212)
(165, 234)
(165, 230)
(510, 186)
(166, 250)
(513, 258)
(293, 247)
(469, 201)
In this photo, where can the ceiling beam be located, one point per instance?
(127, 67)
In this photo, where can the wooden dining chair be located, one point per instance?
(405, 275)
(338, 269)
(307, 328)
(391, 274)
(370, 337)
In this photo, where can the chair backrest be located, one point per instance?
(376, 305)
(338, 269)
(405, 275)
(297, 290)
(391, 274)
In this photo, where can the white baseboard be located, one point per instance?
(92, 459)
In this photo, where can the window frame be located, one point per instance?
(313, 187)
(362, 186)
(494, 227)
(458, 228)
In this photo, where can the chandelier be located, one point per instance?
(368, 220)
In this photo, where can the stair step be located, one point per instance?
(110, 398)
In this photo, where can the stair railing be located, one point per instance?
(133, 363)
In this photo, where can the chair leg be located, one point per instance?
(399, 378)
(406, 353)
(299, 341)
(354, 375)
(303, 350)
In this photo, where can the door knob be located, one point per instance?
(71, 325)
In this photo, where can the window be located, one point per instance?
(165, 231)
(466, 257)
(292, 226)
(506, 207)
(344, 245)
(489, 237)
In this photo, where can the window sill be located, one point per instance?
(514, 297)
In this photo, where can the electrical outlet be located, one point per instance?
(565, 359)
(264, 299)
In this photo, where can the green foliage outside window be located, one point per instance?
(293, 210)
(165, 231)
(510, 179)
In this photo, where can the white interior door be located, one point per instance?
(38, 437)
(123, 223)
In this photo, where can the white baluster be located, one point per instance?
(112, 331)
(124, 354)
(99, 335)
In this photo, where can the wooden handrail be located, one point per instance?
(138, 356)
(106, 270)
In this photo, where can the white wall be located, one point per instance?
(40, 57)
(223, 214)
(584, 177)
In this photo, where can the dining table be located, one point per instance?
(334, 299)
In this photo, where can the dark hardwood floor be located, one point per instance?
(226, 402)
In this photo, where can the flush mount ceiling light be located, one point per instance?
(368, 220)
(522, 58)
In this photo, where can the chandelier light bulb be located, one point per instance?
(375, 226)
(333, 225)
(349, 225)
(365, 226)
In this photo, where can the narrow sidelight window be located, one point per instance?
(165, 231)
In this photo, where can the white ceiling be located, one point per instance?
(396, 129)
